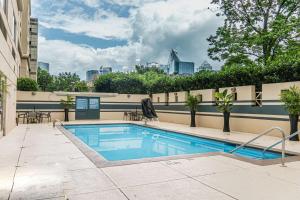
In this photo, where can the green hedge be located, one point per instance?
(151, 82)
(27, 84)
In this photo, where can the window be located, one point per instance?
(158, 99)
(14, 29)
(3, 5)
(2, 27)
(81, 104)
(94, 104)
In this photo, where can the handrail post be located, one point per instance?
(265, 133)
(283, 152)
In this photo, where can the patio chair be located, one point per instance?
(32, 117)
(43, 116)
(125, 116)
(21, 116)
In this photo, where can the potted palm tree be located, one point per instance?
(67, 104)
(192, 102)
(291, 100)
(224, 105)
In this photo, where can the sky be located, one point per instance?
(79, 35)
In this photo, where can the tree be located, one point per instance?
(26, 84)
(192, 102)
(255, 31)
(66, 81)
(141, 69)
(225, 105)
(67, 104)
(44, 80)
(81, 86)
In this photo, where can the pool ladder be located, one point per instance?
(284, 138)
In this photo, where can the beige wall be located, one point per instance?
(273, 91)
(52, 98)
(207, 95)
(182, 96)
(38, 96)
(241, 122)
(125, 98)
(244, 93)
(159, 98)
(236, 124)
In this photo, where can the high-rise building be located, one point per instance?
(14, 55)
(176, 66)
(33, 45)
(44, 66)
(205, 66)
(92, 75)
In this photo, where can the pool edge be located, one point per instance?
(101, 162)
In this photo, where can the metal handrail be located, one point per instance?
(265, 133)
(286, 138)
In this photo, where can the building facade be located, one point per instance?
(44, 66)
(25, 49)
(14, 19)
(92, 75)
(176, 66)
(33, 45)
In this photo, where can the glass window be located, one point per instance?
(94, 104)
(81, 104)
(2, 4)
(14, 31)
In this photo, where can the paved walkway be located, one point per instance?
(39, 162)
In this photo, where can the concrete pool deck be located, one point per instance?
(38, 161)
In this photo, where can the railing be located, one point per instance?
(258, 99)
(286, 138)
(265, 133)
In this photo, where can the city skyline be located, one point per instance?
(75, 36)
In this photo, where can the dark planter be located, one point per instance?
(294, 126)
(226, 127)
(193, 119)
(66, 114)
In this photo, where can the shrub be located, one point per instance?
(152, 82)
(27, 84)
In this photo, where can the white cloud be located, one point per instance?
(65, 56)
(152, 29)
(98, 24)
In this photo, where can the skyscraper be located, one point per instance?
(92, 75)
(44, 66)
(176, 66)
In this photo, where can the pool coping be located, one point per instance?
(101, 162)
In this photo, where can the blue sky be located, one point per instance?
(78, 35)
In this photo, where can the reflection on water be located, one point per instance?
(125, 142)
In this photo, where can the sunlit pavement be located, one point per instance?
(38, 162)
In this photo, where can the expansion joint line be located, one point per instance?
(191, 177)
(17, 164)
(115, 184)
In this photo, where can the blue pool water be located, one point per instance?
(127, 141)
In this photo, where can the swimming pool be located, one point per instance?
(116, 142)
